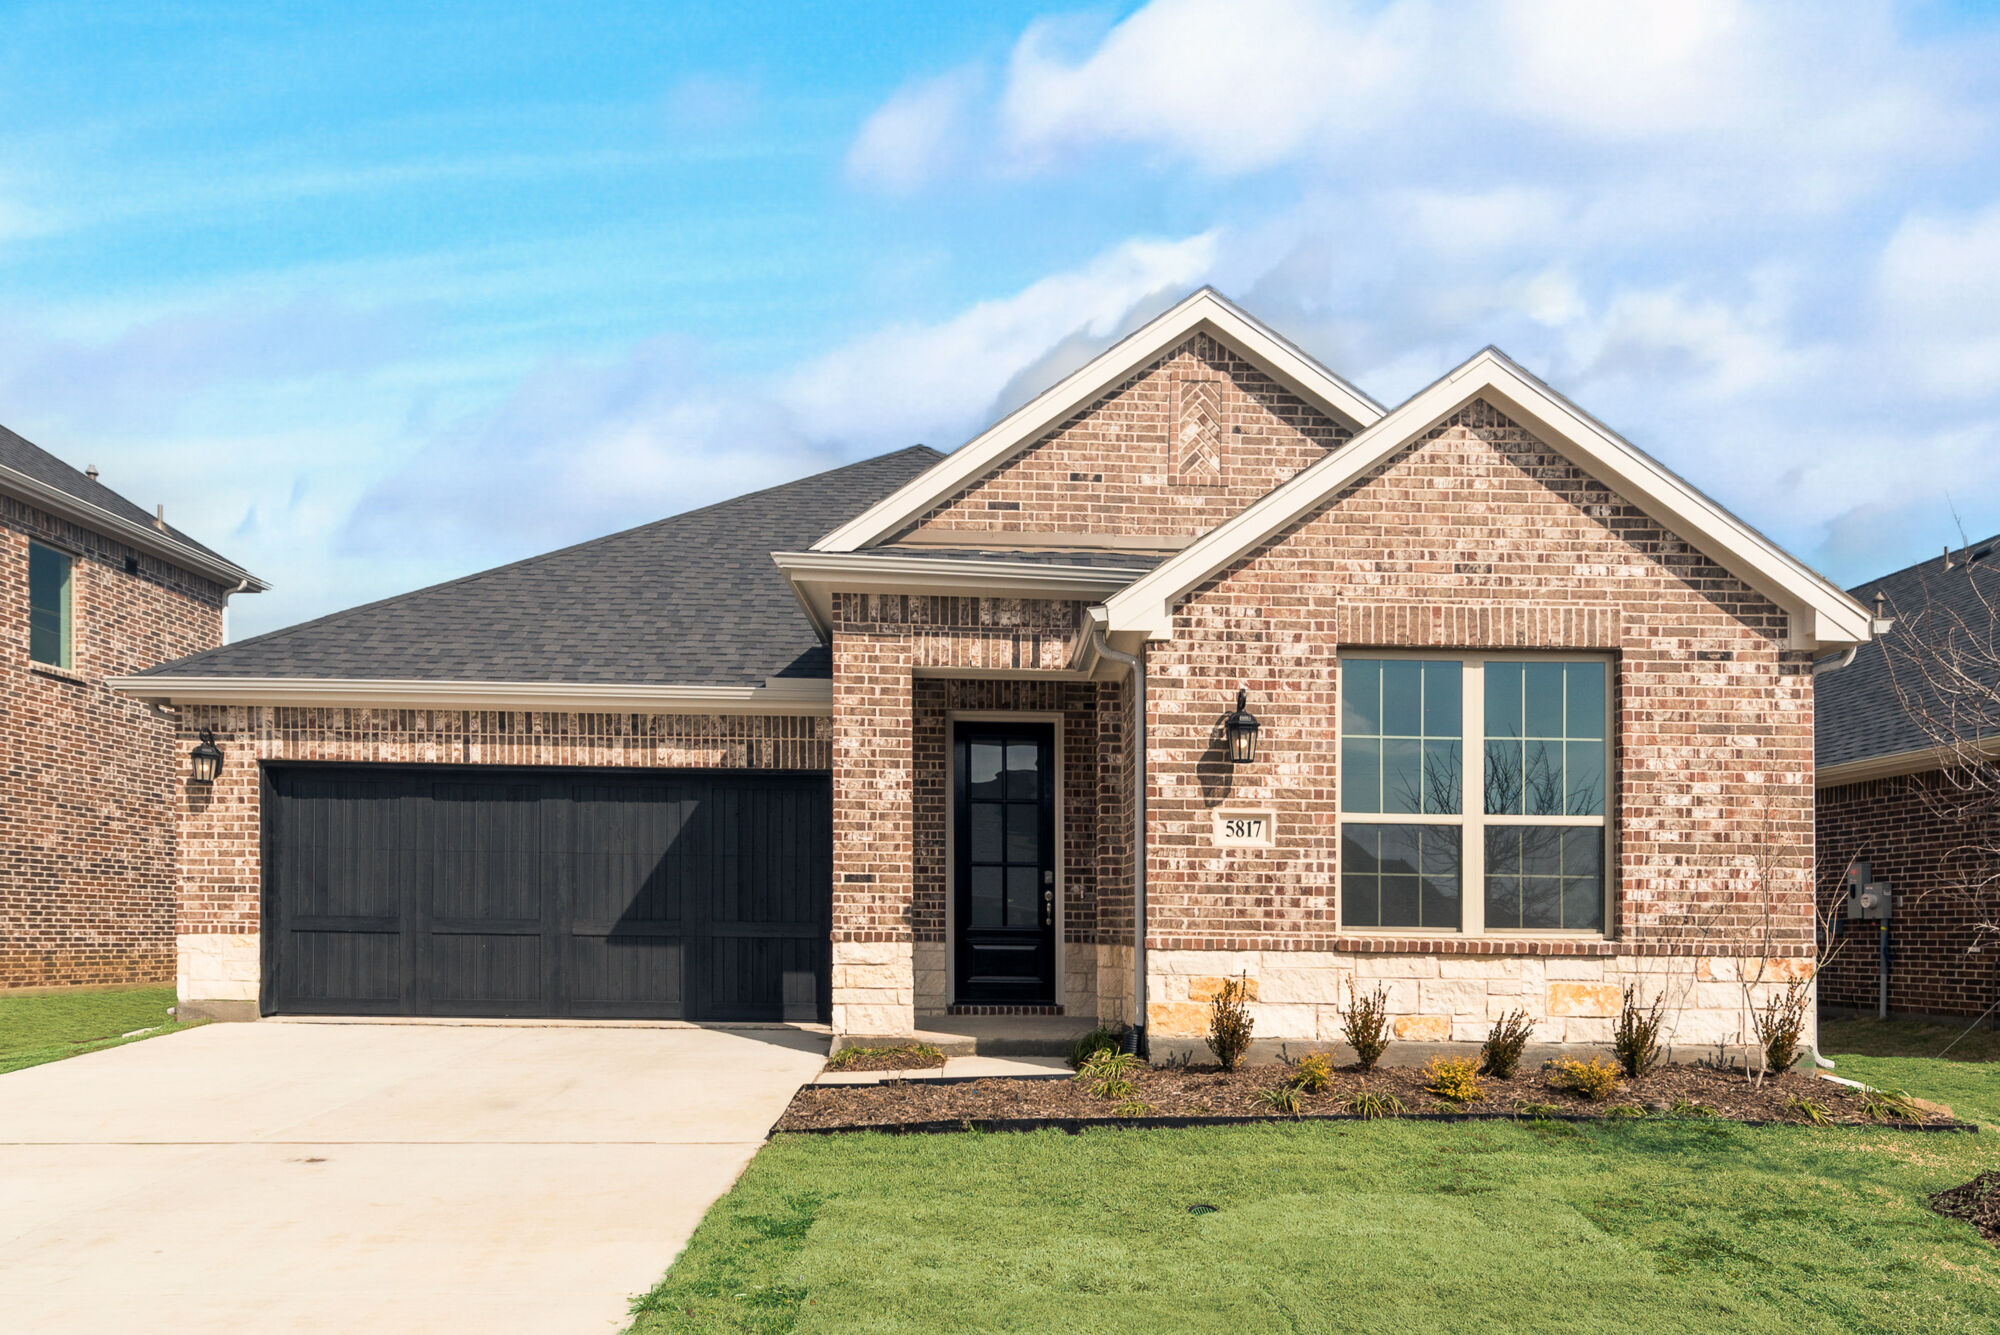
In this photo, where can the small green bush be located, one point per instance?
(1501, 1055)
(1636, 1039)
(1281, 1099)
(1453, 1078)
(1101, 1039)
(1108, 1075)
(1134, 1108)
(1593, 1080)
(1313, 1073)
(1365, 1023)
(1368, 1105)
(1781, 1025)
(1538, 1110)
(1890, 1105)
(1804, 1109)
(1229, 1023)
(1688, 1108)
(1624, 1110)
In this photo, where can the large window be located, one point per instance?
(48, 606)
(1515, 841)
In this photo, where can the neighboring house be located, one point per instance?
(1536, 721)
(1886, 797)
(94, 587)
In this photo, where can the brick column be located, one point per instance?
(874, 973)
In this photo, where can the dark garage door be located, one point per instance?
(433, 891)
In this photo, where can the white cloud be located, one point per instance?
(1938, 283)
(916, 134)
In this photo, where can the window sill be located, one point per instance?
(1453, 944)
(70, 675)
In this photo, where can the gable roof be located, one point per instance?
(1822, 615)
(1861, 725)
(1206, 311)
(687, 602)
(32, 474)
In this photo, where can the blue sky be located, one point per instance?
(371, 296)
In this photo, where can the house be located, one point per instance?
(1534, 721)
(95, 588)
(1908, 785)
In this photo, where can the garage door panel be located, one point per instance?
(668, 895)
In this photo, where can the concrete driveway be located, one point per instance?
(373, 1177)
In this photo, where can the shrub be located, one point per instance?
(1591, 1080)
(1281, 1099)
(1686, 1107)
(1889, 1105)
(1368, 1105)
(1624, 1110)
(1229, 1022)
(1134, 1108)
(1100, 1039)
(1808, 1110)
(1636, 1038)
(1504, 1042)
(1365, 1022)
(1537, 1110)
(1781, 1025)
(1313, 1073)
(1453, 1078)
(1108, 1075)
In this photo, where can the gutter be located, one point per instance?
(1101, 648)
(144, 537)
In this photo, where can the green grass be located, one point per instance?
(1634, 1226)
(1899, 1054)
(49, 1026)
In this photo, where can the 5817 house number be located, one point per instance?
(1243, 829)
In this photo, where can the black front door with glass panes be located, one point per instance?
(1514, 840)
(1004, 894)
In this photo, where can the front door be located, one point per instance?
(1005, 880)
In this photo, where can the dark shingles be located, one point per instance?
(24, 456)
(1859, 714)
(690, 600)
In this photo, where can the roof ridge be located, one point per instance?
(83, 487)
(1918, 565)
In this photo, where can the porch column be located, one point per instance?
(874, 974)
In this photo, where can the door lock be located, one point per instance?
(1048, 908)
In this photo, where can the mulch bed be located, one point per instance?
(1182, 1094)
(1977, 1203)
(890, 1059)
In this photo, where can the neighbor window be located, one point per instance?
(48, 605)
(1516, 841)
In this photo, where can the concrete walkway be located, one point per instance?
(373, 1178)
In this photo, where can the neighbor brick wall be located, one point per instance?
(1912, 837)
(1480, 537)
(86, 816)
(1175, 449)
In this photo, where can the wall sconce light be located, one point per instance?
(1240, 726)
(205, 761)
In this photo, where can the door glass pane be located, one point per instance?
(982, 777)
(1024, 832)
(1023, 759)
(1399, 876)
(1024, 894)
(983, 844)
(986, 911)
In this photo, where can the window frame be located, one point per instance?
(1472, 819)
(66, 658)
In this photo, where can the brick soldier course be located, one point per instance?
(1206, 499)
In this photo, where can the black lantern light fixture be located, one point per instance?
(1240, 727)
(205, 761)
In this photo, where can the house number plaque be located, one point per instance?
(1244, 829)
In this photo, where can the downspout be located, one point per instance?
(1136, 1040)
(1846, 659)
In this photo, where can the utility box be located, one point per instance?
(1867, 899)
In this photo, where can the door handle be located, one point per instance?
(1048, 908)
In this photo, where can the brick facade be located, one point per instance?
(1174, 450)
(220, 876)
(86, 818)
(1940, 964)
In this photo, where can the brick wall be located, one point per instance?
(1175, 449)
(220, 878)
(86, 820)
(1912, 837)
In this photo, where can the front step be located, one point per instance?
(983, 1035)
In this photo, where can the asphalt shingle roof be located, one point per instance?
(691, 600)
(24, 456)
(1858, 713)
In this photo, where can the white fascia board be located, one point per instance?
(133, 534)
(815, 576)
(1829, 617)
(776, 696)
(1206, 310)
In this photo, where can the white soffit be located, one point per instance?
(816, 576)
(1823, 615)
(1207, 311)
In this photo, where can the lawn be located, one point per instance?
(48, 1026)
(1650, 1226)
